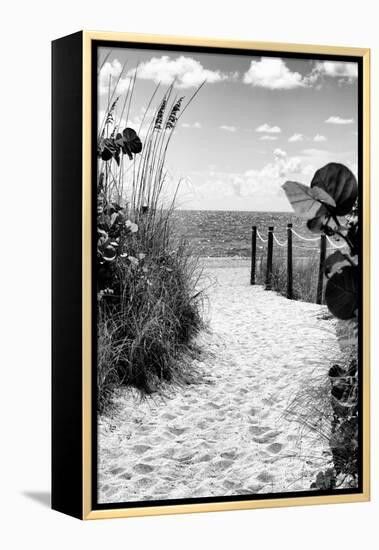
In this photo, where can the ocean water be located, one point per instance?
(215, 233)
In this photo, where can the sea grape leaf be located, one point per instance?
(107, 149)
(318, 223)
(323, 222)
(133, 141)
(335, 262)
(129, 142)
(102, 237)
(307, 203)
(119, 140)
(114, 218)
(340, 183)
(109, 253)
(324, 480)
(106, 154)
(341, 293)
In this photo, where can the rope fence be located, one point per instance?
(324, 244)
(333, 245)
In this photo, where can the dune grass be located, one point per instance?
(149, 297)
(305, 276)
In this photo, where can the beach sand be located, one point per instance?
(227, 434)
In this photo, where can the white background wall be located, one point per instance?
(26, 31)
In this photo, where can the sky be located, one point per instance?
(256, 123)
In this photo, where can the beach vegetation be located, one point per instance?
(149, 300)
(330, 206)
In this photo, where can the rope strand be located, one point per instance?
(261, 238)
(304, 238)
(277, 241)
(332, 246)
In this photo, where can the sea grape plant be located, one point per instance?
(114, 228)
(128, 142)
(329, 206)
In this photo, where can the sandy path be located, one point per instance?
(226, 435)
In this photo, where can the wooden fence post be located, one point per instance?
(270, 243)
(253, 253)
(289, 262)
(320, 283)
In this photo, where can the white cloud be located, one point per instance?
(268, 129)
(279, 153)
(196, 125)
(339, 120)
(339, 69)
(345, 72)
(268, 138)
(228, 128)
(296, 137)
(186, 71)
(108, 78)
(272, 73)
(319, 138)
(267, 181)
(261, 184)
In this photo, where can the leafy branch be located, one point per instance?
(331, 196)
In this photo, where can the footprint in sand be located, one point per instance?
(111, 491)
(267, 437)
(265, 477)
(203, 424)
(185, 457)
(117, 471)
(168, 416)
(222, 464)
(125, 475)
(215, 405)
(143, 468)
(141, 449)
(275, 447)
(144, 482)
(205, 458)
(230, 455)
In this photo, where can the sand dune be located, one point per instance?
(226, 435)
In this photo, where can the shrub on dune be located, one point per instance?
(149, 302)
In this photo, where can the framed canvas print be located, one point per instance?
(210, 275)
